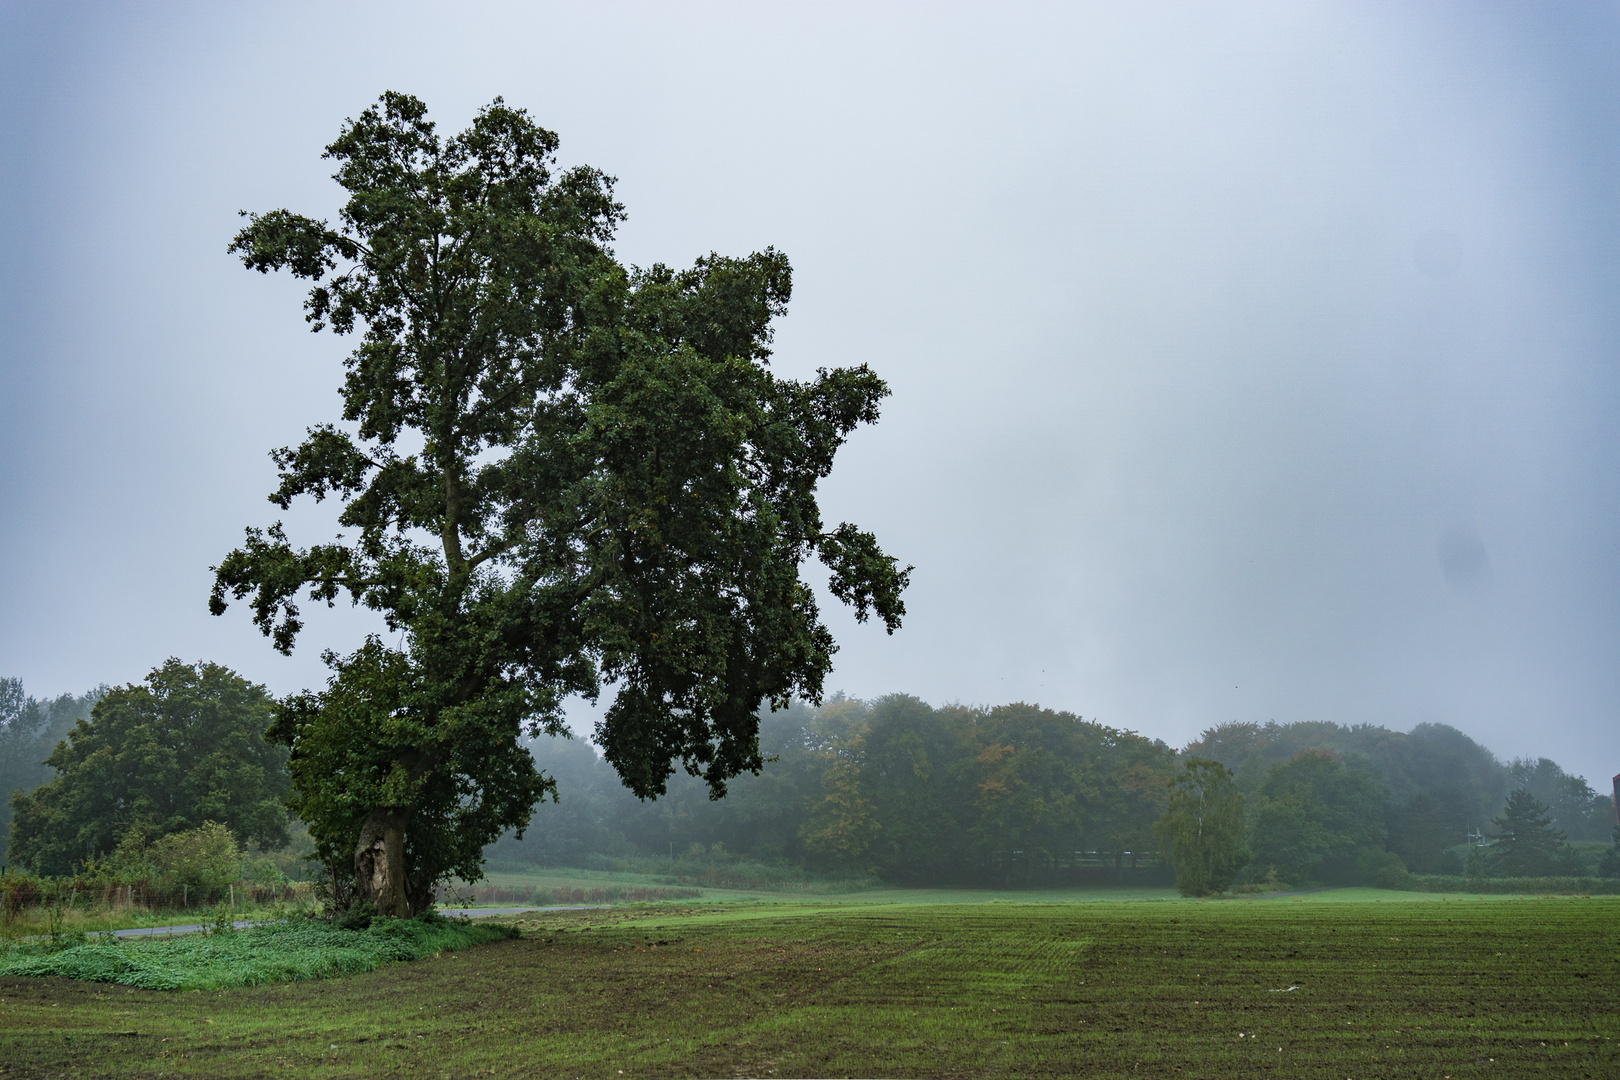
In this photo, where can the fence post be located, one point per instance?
(185, 897)
(233, 897)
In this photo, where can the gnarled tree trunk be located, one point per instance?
(379, 863)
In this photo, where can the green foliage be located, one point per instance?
(355, 917)
(958, 794)
(164, 756)
(1202, 828)
(1440, 782)
(206, 859)
(896, 787)
(1035, 776)
(1559, 885)
(279, 952)
(223, 921)
(29, 731)
(1573, 807)
(1316, 820)
(1608, 864)
(20, 891)
(1524, 842)
(556, 472)
(1380, 868)
(842, 823)
(1422, 834)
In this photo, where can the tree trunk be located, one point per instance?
(379, 863)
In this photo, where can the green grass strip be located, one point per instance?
(277, 952)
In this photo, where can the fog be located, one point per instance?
(1248, 362)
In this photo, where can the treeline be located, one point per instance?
(138, 764)
(1010, 795)
(30, 728)
(1329, 803)
(1023, 795)
(1013, 794)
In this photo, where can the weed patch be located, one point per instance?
(279, 952)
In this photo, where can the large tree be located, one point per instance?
(163, 756)
(1202, 828)
(556, 473)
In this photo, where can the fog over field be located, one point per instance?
(1248, 362)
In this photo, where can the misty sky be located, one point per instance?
(1249, 362)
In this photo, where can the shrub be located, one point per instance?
(20, 890)
(1382, 868)
(206, 859)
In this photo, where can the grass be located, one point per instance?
(34, 922)
(563, 884)
(291, 951)
(84, 917)
(1383, 985)
(720, 884)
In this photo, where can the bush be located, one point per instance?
(355, 917)
(19, 891)
(1271, 883)
(1382, 868)
(1609, 865)
(206, 859)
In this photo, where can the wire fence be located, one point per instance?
(22, 894)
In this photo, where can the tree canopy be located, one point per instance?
(1202, 828)
(1524, 842)
(1314, 819)
(163, 756)
(557, 473)
(29, 730)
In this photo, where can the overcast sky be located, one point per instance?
(1249, 362)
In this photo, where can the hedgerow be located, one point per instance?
(1588, 886)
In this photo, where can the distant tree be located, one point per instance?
(1314, 818)
(182, 748)
(1524, 842)
(1421, 833)
(1036, 777)
(1202, 828)
(920, 774)
(1575, 808)
(557, 472)
(1132, 776)
(29, 731)
(840, 822)
(1609, 865)
(1462, 780)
